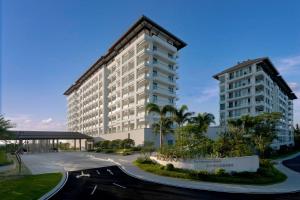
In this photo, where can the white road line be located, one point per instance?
(119, 185)
(98, 172)
(110, 171)
(94, 189)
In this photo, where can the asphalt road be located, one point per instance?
(111, 183)
(293, 164)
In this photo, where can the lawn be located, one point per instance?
(265, 175)
(28, 187)
(4, 159)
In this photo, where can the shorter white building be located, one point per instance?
(253, 87)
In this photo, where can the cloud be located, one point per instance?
(28, 122)
(289, 65)
(47, 121)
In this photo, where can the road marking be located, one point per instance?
(98, 172)
(110, 171)
(94, 189)
(119, 185)
(82, 174)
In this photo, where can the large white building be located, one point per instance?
(253, 87)
(108, 101)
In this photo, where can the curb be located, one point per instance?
(196, 188)
(57, 188)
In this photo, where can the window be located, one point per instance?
(154, 98)
(231, 75)
(154, 85)
(171, 100)
(154, 48)
(222, 97)
(171, 78)
(171, 67)
(222, 106)
(170, 55)
(171, 89)
(154, 73)
(155, 60)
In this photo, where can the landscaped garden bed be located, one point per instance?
(266, 174)
(123, 147)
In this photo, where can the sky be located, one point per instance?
(46, 45)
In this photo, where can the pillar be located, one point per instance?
(75, 144)
(79, 144)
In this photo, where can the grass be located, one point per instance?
(28, 187)
(265, 175)
(4, 159)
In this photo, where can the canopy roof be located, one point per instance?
(39, 135)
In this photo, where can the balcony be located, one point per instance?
(164, 91)
(164, 79)
(164, 43)
(164, 67)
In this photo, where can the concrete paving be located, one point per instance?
(40, 163)
(51, 162)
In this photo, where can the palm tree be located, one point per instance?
(164, 121)
(203, 121)
(181, 116)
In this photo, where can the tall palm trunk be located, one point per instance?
(160, 136)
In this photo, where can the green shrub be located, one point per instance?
(138, 148)
(162, 167)
(144, 160)
(98, 150)
(220, 172)
(127, 143)
(108, 151)
(265, 163)
(170, 167)
(115, 144)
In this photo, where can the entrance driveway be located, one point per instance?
(62, 161)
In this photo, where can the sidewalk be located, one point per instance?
(292, 184)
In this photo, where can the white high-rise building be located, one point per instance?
(253, 87)
(108, 101)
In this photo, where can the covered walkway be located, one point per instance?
(49, 141)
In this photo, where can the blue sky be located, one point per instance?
(47, 45)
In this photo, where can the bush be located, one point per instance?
(220, 172)
(144, 160)
(264, 163)
(138, 148)
(115, 144)
(108, 151)
(98, 150)
(170, 167)
(127, 143)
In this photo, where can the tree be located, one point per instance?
(163, 127)
(265, 131)
(127, 143)
(202, 121)
(160, 126)
(181, 115)
(5, 134)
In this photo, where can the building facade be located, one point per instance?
(108, 101)
(253, 87)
